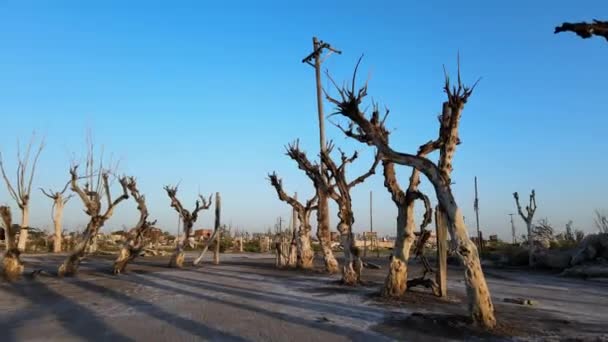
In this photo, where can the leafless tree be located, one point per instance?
(23, 182)
(320, 182)
(91, 197)
(134, 242)
(305, 254)
(12, 267)
(372, 131)
(601, 221)
(585, 30)
(188, 220)
(395, 284)
(216, 237)
(352, 267)
(528, 217)
(59, 202)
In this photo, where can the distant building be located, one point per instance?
(202, 234)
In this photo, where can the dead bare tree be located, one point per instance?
(601, 221)
(134, 243)
(188, 220)
(528, 217)
(352, 267)
(322, 186)
(57, 213)
(215, 237)
(305, 254)
(91, 197)
(21, 194)
(12, 267)
(372, 131)
(585, 30)
(395, 284)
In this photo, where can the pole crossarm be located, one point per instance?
(317, 52)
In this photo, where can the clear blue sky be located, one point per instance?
(209, 92)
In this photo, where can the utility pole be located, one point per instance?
(371, 226)
(476, 206)
(371, 219)
(294, 218)
(513, 229)
(315, 60)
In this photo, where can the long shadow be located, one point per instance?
(353, 334)
(150, 309)
(8, 322)
(237, 274)
(359, 312)
(68, 312)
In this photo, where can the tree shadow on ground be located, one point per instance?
(196, 328)
(239, 303)
(73, 317)
(358, 312)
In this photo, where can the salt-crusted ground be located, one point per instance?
(245, 298)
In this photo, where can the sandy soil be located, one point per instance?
(247, 299)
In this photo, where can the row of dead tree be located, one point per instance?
(93, 193)
(330, 181)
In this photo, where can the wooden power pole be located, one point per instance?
(315, 59)
(476, 207)
(513, 236)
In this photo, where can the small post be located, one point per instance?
(216, 254)
(442, 251)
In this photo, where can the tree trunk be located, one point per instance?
(129, 251)
(57, 221)
(530, 244)
(178, 256)
(211, 239)
(351, 273)
(25, 223)
(324, 234)
(305, 248)
(478, 294)
(177, 259)
(441, 230)
(71, 264)
(395, 284)
(292, 259)
(216, 251)
(12, 267)
(124, 256)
